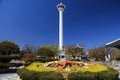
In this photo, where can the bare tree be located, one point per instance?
(116, 54)
(30, 48)
(100, 52)
(74, 50)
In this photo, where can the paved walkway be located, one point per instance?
(10, 76)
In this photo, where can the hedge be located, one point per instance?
(111, 74)
(7, 71)
(16, 64)
(5, 65)
(82, 76)
(5, 58)
(32, 75)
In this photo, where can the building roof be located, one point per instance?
(114, 43)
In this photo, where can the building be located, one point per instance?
(115, 43)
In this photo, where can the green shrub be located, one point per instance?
(55, 76)
(32, 75)
(16, 64)
(108, 75)
(5, 58)
(82, 76)
(5, 65)
(7, 71)
(111, 74)
(26, 75)
(73, 76)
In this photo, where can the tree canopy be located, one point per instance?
(100, 52)
(116, 54)
(53, 48)
(74, 50)
(44, 52)
(7, 48)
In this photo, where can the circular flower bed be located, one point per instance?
(70, 70)
(67, 66)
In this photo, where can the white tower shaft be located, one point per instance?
(62, 55)
(60, 30)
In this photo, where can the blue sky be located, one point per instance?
(91, 23)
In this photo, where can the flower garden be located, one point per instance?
(69, 66)
(67, 70)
